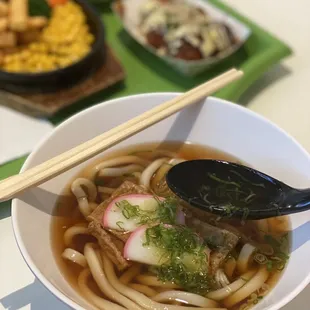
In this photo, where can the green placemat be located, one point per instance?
(146, 73)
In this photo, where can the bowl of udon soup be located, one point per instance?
(109, 234)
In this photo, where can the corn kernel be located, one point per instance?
(65, 40)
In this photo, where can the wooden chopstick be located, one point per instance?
(63, 162)
(83, 147)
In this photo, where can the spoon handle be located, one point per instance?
(296, 201)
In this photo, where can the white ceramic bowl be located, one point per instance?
(216, 123)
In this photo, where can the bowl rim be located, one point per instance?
(98, 44)
(18, 237)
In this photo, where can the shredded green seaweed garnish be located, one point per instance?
(215, 178)
(175, 240)
(128, 210)
(120, 225)
(198, 282)
(253, 300)
(277, 261)
(246, 180)
(231, 195)
(184, 258)
(165, 212)
(269, 265)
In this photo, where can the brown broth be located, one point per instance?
(66, 213)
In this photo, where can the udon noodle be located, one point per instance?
(187, 259)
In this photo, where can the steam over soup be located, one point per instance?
(124, 241)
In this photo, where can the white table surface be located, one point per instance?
(282, 96)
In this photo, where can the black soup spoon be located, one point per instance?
(233, 190)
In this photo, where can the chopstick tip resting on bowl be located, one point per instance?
(37, 175)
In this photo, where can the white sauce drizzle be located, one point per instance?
(179, 22)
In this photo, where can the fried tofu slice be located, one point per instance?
(111, 241)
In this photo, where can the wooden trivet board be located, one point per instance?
(48, 104)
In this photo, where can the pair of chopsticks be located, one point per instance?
(11, 186)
